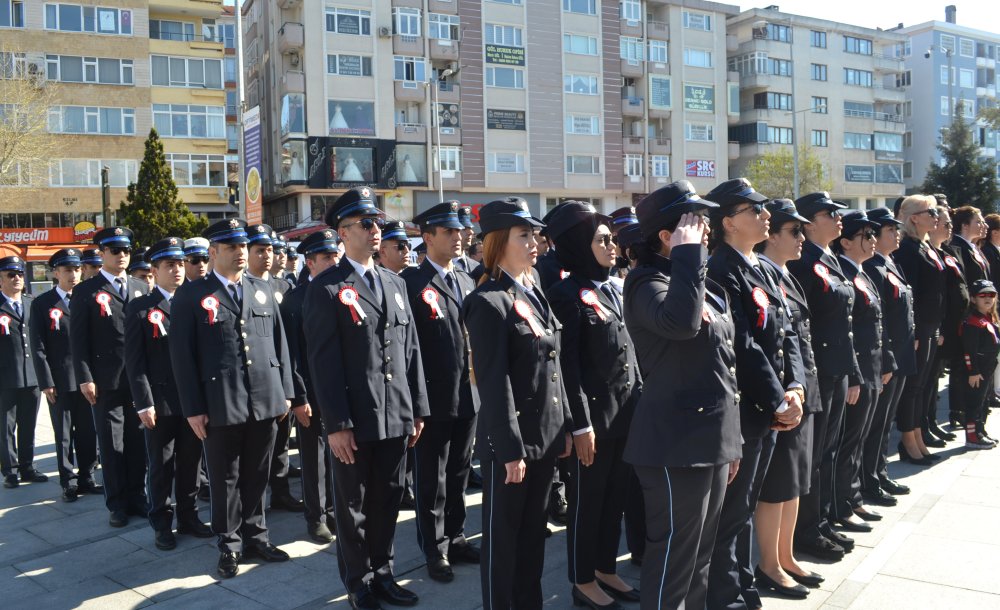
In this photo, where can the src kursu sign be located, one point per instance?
(513, 120)
(699, 168)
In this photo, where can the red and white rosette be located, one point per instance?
(104, 300)
(933, 255)
(155, 317)
(760, 298)
(822, 273)
(862, 285)
(5, 324)
(563, 274)
(706, 314)
(951, 262)
(433, 300)
(349, 296)
(211, 305)
(589, 298)
(524, 310)
(55, 314)
(897, 284)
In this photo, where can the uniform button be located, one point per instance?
(243, 322)
(517, 414)
(737, 396)
(555, 400)
(626, 366)
(850, 333)
(729, 342)
(624, 346)
(387, 342)
(781, 332)
(880, 344)
(732, 370)
(628, 384)
(249, 362)
(700, 409)
(555, 376)
(388, 358)
(213, 378)
(824, 344)
(388, 376)
(387, 326)
(244, 335)
(850, 318)
(781, 353)
(552, 354)
(548, 331)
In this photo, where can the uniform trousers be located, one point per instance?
(635, 517)
(174, 454)
(683, 506)
(441, 464)
(876, 445)
(279, 457)
(123, 450)
(730, 575)
(514, 518)
(857, 425)
(73, 429)
(814, 507)
(17, 444)
(366, 497)
(597, 495)
(910, 413)
(976, 399)
(317, 471)
(239, 458)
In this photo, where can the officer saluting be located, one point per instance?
(97, 336)
(233, 375)
(174, 452)
(365, 364)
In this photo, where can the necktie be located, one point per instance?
(610, 293)
(236, 295)
(17, 307)
(536, 302)
(370, 276)
(69, 295)
(452, 282)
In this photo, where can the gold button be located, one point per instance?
(552, 354)
(555, 376)
(388, 376)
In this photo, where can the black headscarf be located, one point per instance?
(575, 254)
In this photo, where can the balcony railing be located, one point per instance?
(878, 116)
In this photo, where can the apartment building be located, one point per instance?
(946, 62)
(828, 87)
(474, 99)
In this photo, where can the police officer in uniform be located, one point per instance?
(173, 451)
(949, 352)
(72, 420)
(291, 272)
(548, 266)
(443, 457)
(230, 359)
(97, 337)
(90, 263)
(364, 359)
(18, 385)
(394, 251)
(277, 268)
(195, 258)
(319, 249)
(139, 267)
(464, 262)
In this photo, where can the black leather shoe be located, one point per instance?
(196, 529)
(763, 581)
(854, 526)
(904, 456)
(580, 599)
(165, 540)
(407, 503)
(391, 593)
(30, 475)
(266, 551)
(940, 432)
(838, 538)
(319, 533)
(632, 595)
(70, 493)
(463, 553)
(475, 480)
(440, 570)
(820, 547)
(10, 481)
(895, 488)
(287, 501)
(868, 515)
(229, 564)
(635, 560)
(812, 579)
(364, 599)
(879, 498)
(118, 519)
(558, 509)
(932, 441)
(90, 487)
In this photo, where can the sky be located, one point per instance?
(978, 14)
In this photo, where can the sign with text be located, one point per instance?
(859, 173)
(699, 168)
(699, 97)
(659, 92)
(513, 120)
(507, 56)
(252, 165)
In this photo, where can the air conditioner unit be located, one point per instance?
(34, 69)
(385, 32)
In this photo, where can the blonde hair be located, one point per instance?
(914, 204)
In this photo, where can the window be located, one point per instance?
(87, 172)
(229, 63)
(406, 21)
(71, 69)
(579, 45)
(944, 75)
(904, 79)
(228, 35)
(349, 21)
(779, 67)
(186, 72)
(232, 136)
(17, 174)
(820, 138)
(345, 117)
(659, 166)
(966, 48)
(515, 2)
(507, 78)
(11, 14)
(633, 166)
(697, 21)
(860, 46)
(781, 33)
(861, 78)
(581, 84)
(442, 27)
(232, 102)
(658, 51)
(630, 10)
(183, 121)
(888, 146)
(412, 69)
(160, 29)
(966, 78)
(505, 163)
(76, 18)
(585, 7)
(859, 109)
(889, 173)
(448, 159)
(583, 124)
(947, 43)
(772, 101)
(779, 135)
(506, 35)
(92, 120)
(749, 64)
(349, 65)
(908, 170)
(12, 64)
(819, 72)
(699, 132)
(699, 58)
(858, 141)
(581, 164)
(631, 49)
(817, 39)
(198, 170)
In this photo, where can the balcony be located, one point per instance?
(634, 184)
(734, 150)
(773, 48)
(659, 146)
(886, 64)
(659, 113)
(990, 92)
(658, 30)
(411, 133)
(631, 28)
(191, 8)
(986, 62)
(293, 81)
(408, 3)
(445, 50)
(449, 94)
(633, 106)
(412, 46)
(732, 44)
(447, 7)
(657, 67)
(632, 68)
(632, 144)
(451, 136)
(291, 37)
(409, 91)
(289, 4)
(889, 94)
(989, 152)
(761, 81)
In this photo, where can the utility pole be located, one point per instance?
(106, 196)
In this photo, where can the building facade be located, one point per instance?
(828, 87)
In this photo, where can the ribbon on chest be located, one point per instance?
(5, 324)
(104, 300)
(211, 305)
(349, 296)
(589, 298)
(524, 310)
(762, 302)
(897, 284)
(155, 317)
(823, 273)
(55, 314)
(433, 299)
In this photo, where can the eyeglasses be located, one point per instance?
(366, 223)
(605, 240)
(869, 235)
(932, 212)
(117, 251)
(758, 209)
(198, 260)
(14, 274)
(795, 231)
(403, 246)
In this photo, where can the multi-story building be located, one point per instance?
(824, 86)
(230, 75)
(944, 63)
(474, 99)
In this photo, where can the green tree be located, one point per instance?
(991, 116)
(773, 173)
(152, 209)
(962, 175)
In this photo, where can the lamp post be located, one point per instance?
(437, 129)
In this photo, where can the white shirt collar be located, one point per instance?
(112, 278)
(62, 293)
(441, 270)
(225, 281)
(166, 295)
(851, 262)
(361, 269)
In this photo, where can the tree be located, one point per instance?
(773, 173)
(26, 146)
(152, 209)
(962, 175)
(991, 116)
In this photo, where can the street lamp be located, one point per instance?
(951, 77)
(435, 116)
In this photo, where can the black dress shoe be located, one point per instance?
(319, 533)
(632, 595)
(636, 560)
(364, 599)
(558, 509)
(287, 501)
(904, 456)
(838, 538)
(580, 599)
(10, 481)
(854, 526)
(868, 515)
(407, 503)
(196, 529)
(763, 581)
(475, 480)
(118, 518)
(812, 579)
(879, 498)
(266, 551)
(90, 487)
(820, 547)
(940, 432)
(30, 475)
(229, 564)
(391, 593)
(440, 570)
(463, 553)
(932, 441)
(933, 458)
(894, 488)
(70, 493)
(165, 540)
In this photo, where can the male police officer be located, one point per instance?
(97, 337)
(291, 274)
(72, 420)
(139, 267)
(230, 360)
(365, 364)
(394, 251)
(174, 452)
(18, 387)
(443, 457)
(90, 263)
(464, 262)
(195, 258)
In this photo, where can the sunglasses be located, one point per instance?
(403, 246)
(366, 223)
(757, 208)
(605, 240)
(932, 212)
(117, 251)
(14, 274)
(198, 260)
(795, 231)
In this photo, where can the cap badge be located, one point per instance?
(328, 234)
(15, 259)
(118, 231)
(454, 206)
(366, 193)
(233, 223)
